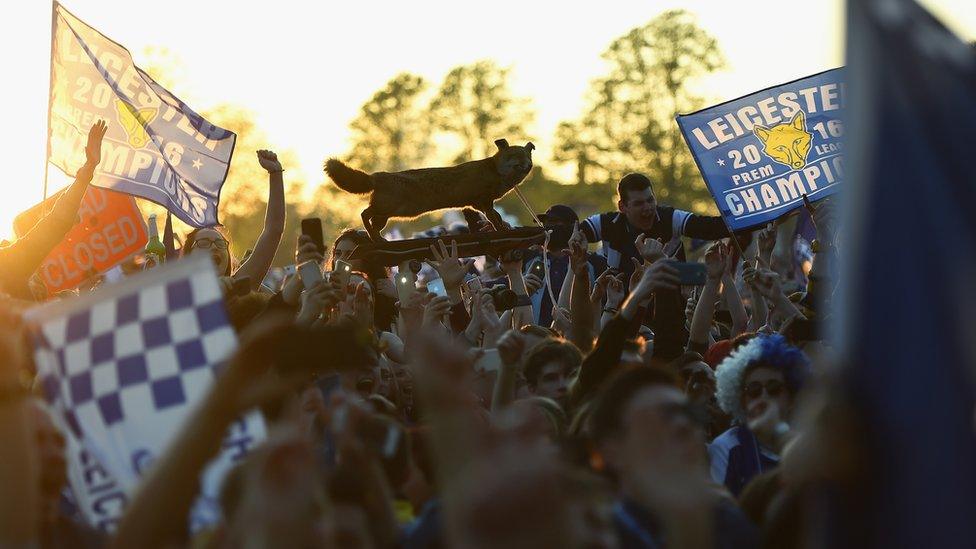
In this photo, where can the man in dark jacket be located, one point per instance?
(639, 213)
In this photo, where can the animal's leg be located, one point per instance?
(368, 216)
(494, 217)
(379, 223)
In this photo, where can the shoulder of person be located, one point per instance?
(727, 440)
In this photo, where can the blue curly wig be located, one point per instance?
(767, 351)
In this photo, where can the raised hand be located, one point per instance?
(318, 299)
(659, 276)
(510, 347)
(532, 283)
(650, 249)
(600, 287)
(615, 292)
(447, 264)
(93, 149)
(269, 161)
(576, 250)
(716, 261)
(307, 250)
(438, 308)
(639, 269)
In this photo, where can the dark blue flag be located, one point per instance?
(909, 287)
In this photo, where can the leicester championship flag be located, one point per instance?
(121, 369)
(760, 154)
(156, 147)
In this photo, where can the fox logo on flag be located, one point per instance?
(156, 147)
(121, 369)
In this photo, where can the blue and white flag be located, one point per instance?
(761, 153)
(121, 369)
(908, 255)
(156, 147)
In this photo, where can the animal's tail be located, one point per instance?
(348, 179)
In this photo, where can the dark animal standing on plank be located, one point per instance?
(477, 184)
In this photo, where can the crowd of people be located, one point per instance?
(640, 410)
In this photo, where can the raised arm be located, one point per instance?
(19, 260)
(605, 357)
(705, 310)
(256, 266)
(733, 301)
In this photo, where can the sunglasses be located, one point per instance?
(773, 388)
(205, 243)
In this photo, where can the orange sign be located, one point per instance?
(110, 229)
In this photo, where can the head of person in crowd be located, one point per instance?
(764, 372)
(550, 368)
(636, 200)
(387, 385)
(347, 242)
(721, 349)
(213, 241)
(518, 497)
(561, 220)
(642, 418)
(276, 496)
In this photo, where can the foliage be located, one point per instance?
(392, 130)
(474, 106)
(629, 122)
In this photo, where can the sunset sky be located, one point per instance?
(306, 67)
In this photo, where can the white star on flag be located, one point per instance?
(197, 164)
(721, 162)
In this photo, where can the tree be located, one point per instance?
(392, 130)
(475, 106)
(629, 123)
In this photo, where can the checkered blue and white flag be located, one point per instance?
(121, 369)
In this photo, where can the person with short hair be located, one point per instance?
(550, 368)
(638, 213)
(650, 441)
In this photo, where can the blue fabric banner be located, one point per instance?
(156, 147)
(761, 153)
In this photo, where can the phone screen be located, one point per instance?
(436, 287)
(691, 274)
(405, 286)
(342, 272)
(312, 227)
(310, 272)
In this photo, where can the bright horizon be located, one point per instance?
(276, 61)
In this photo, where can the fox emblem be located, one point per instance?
(135, 121)
(787, 143)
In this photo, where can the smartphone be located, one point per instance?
(436, 287)
(312, 227)
(310, 272)
(537, 268)
(405, 285)
(341, 272)
(690, 274)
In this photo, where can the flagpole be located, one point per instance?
(50, 95)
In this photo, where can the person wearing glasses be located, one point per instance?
(212, 240)
(757, 385)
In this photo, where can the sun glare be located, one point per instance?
(306, 68)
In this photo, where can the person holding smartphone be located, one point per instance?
(561, 220)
